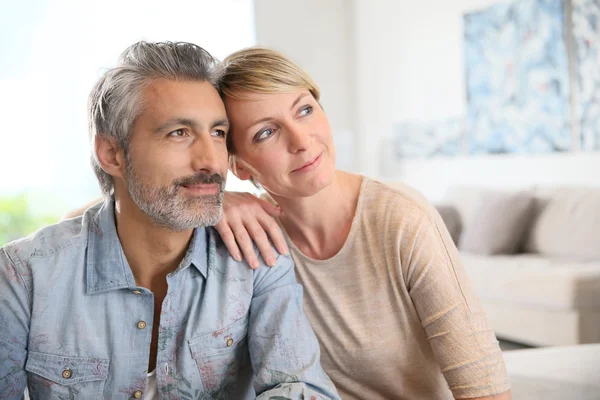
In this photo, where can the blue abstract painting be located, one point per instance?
(517, 74)
(586, 32)
(429, 139)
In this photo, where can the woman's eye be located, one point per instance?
(264, 134)
(178, 133)
(306, 110)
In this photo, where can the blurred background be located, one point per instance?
(52, 52)
(490, 108)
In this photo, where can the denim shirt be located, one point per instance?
(74, 324)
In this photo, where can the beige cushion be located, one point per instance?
(498, 223)
(567, 225)
(452, 220)
(535, 280)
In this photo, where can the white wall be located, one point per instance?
(406, 63)
(55, 53)
(318, 35)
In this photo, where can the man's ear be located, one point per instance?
(111, 156)
(238, 169)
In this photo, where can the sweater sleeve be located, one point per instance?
(450, 312)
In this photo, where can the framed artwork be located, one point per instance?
(586, 33)
(517, 72)
(429, 139)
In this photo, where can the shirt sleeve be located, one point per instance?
(14, 329)
(284, 350)
(450, 312)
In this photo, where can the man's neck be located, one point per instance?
(152, 252)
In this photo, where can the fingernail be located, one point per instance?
(237, 257)
(254, 264)
(270, 262)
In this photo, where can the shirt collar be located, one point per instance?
(106, 264)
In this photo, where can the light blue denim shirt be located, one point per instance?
(74, 324)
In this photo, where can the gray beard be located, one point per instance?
(167, 207)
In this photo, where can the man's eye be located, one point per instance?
(219, 133)
(178, 133)
(306, 110)
(264, 134)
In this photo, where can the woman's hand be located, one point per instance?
(246, 218)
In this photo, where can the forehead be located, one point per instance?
(253, 106)
(164, 98)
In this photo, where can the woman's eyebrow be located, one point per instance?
(303, 95)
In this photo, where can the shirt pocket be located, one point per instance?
(219, 355)
(53, 376)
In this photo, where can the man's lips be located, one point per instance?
(202, 188)
(308, 165)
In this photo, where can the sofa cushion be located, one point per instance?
(567, 224)
(452, 220)
(534, 280)
(498, 223)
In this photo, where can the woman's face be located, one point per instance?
(283, 140)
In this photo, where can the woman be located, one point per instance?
(384, 287)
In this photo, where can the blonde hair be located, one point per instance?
(263, 70)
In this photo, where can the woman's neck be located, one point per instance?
(319, 225)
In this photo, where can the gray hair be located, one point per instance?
(115, 101)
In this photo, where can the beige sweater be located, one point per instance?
(394, 312)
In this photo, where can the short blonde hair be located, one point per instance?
(263, 70)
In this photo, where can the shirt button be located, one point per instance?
(67, 373)
(136, 291)
(141, 325)
(137, 394)
(229, 342)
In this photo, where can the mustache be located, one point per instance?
(207, 179)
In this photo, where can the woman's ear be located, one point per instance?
(238, 169)
(110, 156)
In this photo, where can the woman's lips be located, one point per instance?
(310, 165)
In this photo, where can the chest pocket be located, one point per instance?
(52, 376)
(220, 356)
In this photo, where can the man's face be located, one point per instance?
(177, 157)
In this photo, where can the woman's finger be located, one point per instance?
(258, 234)
(229, 239)
(245, 243)
(273, 230)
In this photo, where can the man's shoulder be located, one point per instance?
(50, 240)
(284, 263)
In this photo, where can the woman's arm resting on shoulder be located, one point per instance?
(246, 218)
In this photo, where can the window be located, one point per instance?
(53, 51)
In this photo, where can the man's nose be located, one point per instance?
(207, 157)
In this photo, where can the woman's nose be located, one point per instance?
(299, 138)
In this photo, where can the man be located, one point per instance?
(129, 300)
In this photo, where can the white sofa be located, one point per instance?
(549, 293)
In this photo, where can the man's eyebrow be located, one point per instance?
(303, 95)
(176, 122)
(220, 122)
